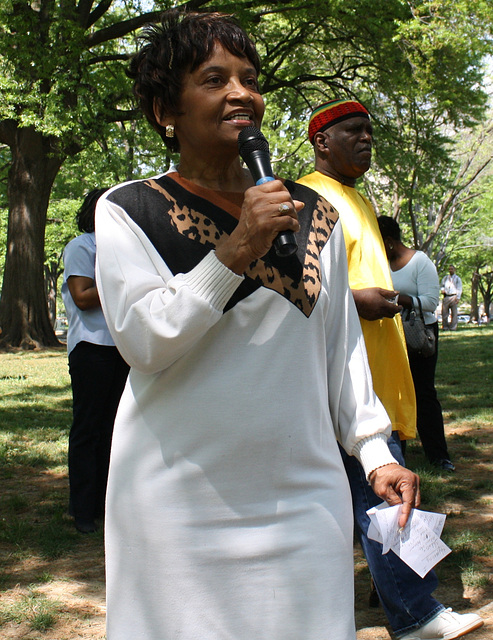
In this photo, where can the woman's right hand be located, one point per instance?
(267, 209)
(405, 300)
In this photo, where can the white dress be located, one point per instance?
(228, 511)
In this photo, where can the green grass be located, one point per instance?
(465, 373)
(35, 409)
(36, 532)
(464, 382)
(35, 419)
(34, 608)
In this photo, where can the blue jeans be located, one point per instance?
(405, 597)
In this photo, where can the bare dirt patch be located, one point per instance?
(75, 582)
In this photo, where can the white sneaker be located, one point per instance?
(447, 625)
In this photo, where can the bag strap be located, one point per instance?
(420, 309)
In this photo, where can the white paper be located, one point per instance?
(418, 544)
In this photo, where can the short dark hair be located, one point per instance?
(85, 215)
(389, 228)
(180, 43)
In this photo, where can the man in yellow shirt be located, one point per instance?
(341, 134)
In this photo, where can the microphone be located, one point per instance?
(254, 150)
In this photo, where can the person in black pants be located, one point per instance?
(415, 276)
(98, 375)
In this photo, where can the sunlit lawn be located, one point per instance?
(35, 417)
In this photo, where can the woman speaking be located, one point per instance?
(228, 510)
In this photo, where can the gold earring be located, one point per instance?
(170, 131)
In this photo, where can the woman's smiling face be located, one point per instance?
(218, 100)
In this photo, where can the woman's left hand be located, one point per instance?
(397, 485)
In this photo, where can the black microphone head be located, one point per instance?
(251, 139)
(254, 151)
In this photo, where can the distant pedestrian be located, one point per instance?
(452, 291)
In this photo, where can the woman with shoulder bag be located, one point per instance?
(414, 275)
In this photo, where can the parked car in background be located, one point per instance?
(61, 327)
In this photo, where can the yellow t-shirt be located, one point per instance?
(368, 267)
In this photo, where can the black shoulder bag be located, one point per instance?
(420, 339)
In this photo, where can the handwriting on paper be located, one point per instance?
(418, 544)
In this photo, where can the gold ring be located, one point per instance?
(284, 208)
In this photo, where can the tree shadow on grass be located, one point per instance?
(465, 497)
(37, 537)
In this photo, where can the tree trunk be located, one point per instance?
(487, 306)
(474, 313)
(487, 299)
(24, 318)
(486, 288)
(52, 273)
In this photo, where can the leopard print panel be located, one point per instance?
(298, 278)
(189, 223)
(304, 292)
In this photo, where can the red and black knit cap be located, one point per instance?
(332, 112)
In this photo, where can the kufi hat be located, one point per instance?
(332, 112)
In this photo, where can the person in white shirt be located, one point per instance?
(452, 291)
(98, 375)
(414, 275)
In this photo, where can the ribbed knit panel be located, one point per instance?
(371, 449)
(213, 281)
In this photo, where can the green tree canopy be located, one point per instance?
(417, 66)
